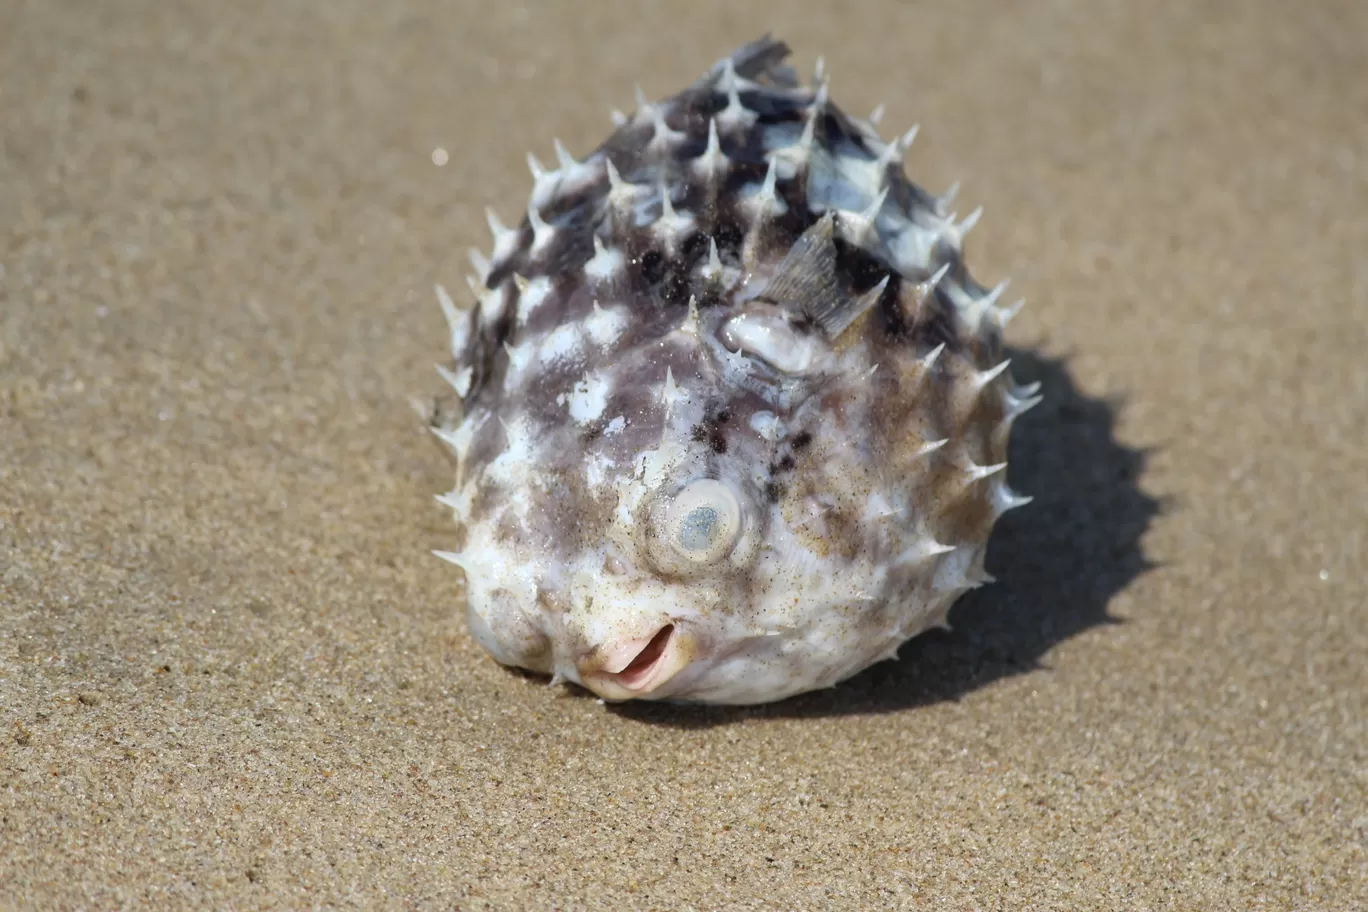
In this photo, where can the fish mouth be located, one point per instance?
(635, 668)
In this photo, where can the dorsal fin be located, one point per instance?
(807, 282)
(759, 60)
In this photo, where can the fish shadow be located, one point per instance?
(1058, 563)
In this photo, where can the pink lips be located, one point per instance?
(647, 659)
(635, 668)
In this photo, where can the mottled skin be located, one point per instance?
(733, 416)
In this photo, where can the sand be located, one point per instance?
(233, 676)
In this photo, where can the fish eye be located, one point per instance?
(703, 521)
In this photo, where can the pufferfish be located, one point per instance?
(732, 416)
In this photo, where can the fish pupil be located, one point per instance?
(698, 528)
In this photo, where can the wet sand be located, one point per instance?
(233, 676)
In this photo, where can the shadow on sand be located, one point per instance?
(1058, 562)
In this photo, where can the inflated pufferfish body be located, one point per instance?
(734, 417)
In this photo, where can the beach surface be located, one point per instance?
(233, 676)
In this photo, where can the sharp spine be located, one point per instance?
(809, 137)
(541, 231)
(977, 472)
(458, 322)
(479, 262)
(713, 160)
(969, 222)
(1005, 315)
(1005, 499)
(990, 298)
(664, 133)
(452, 557)
(690, 324)
(838, 324)
(931, 357)
(893, 152)
(985, 378)
(923, 551)
(670, 393)
(768, 196)
(931, 446)
(536, 221)
(615, 182)
(457, 441)
(868, 225)
(563, 155)
(713, 269)
(458, 380)
(946, 199)
(820, 99)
